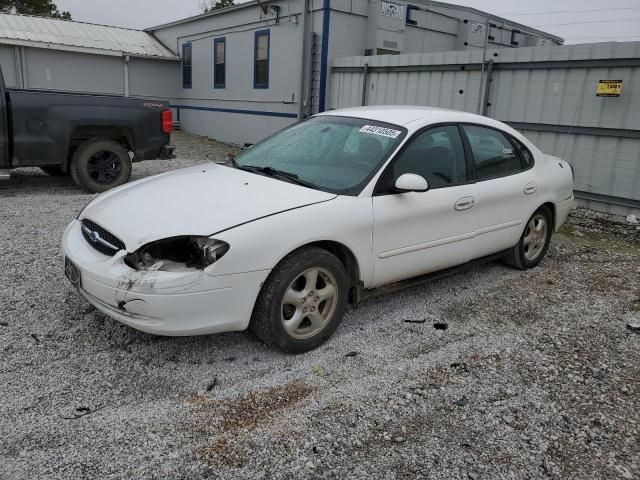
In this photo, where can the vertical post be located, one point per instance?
(324, 55)
(23, 61)
(484, 59)
(18, 66)
(365, 75)
(487, 88)
(126, 75)
(304, 97)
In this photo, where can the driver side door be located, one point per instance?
(416, 233)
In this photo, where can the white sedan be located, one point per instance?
(282, 237)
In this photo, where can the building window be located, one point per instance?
(219, 62)
(515, 38)
(261, 60)
(187, 72)
(409, 19)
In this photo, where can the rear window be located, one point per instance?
(493, 153)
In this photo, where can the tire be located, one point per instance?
(100, 164)
(317, 317)
(530, 250)
(53, 170)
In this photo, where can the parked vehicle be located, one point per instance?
(93, 138)
(284, 236)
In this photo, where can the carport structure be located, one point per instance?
(53, 54)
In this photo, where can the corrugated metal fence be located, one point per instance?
(549, 93)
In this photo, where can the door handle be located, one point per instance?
(465, 203)
(530, 188)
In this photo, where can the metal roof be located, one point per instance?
(427, 3)
(217, 11)
(491, 16)
(67, 35)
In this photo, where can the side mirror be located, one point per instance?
(410, 182)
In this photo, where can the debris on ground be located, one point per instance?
(633, 327)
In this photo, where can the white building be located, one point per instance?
(252, 69)
(244, 72)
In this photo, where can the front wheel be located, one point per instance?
(100, 164)
(534, 242)
(302, 301)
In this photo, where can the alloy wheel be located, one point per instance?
(309, 303)
(535, 237)
(104, 167)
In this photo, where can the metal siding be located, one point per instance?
(8, 63)
(152, 78)
(71, 71)
(562, 96)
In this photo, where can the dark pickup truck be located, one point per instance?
(93, 138)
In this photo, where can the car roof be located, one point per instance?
(404, 115)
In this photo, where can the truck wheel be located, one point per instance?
(53, 170)
(100, 164)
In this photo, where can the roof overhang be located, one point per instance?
(78, 49)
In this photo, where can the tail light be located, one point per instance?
(167, 121)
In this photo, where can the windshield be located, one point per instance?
(336, 154)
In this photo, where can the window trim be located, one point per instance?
(186, 84)
(509, 138)
(379, 189)
(259, 33)
(216, 83)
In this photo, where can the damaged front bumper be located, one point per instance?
(159, 302)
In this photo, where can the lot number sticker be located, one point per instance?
(383, 132)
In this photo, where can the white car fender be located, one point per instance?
(263, 243)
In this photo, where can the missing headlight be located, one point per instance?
(178, 254)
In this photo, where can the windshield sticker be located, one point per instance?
(507, 151)
(383, 132)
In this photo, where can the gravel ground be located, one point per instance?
(534, 376)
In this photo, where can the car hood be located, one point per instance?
(201, 200)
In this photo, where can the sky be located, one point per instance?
(578, 21)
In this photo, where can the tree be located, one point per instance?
(209, 5)
(40, 8)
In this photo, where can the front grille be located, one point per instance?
(100, 239)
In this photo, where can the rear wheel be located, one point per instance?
(534, 242)
(100, 164)
(302, 301)
(53, 170)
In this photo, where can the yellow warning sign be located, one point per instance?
(609, 88)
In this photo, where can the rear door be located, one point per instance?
(421, 232)
(506, 188)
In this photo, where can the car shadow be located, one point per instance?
(30, 181)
